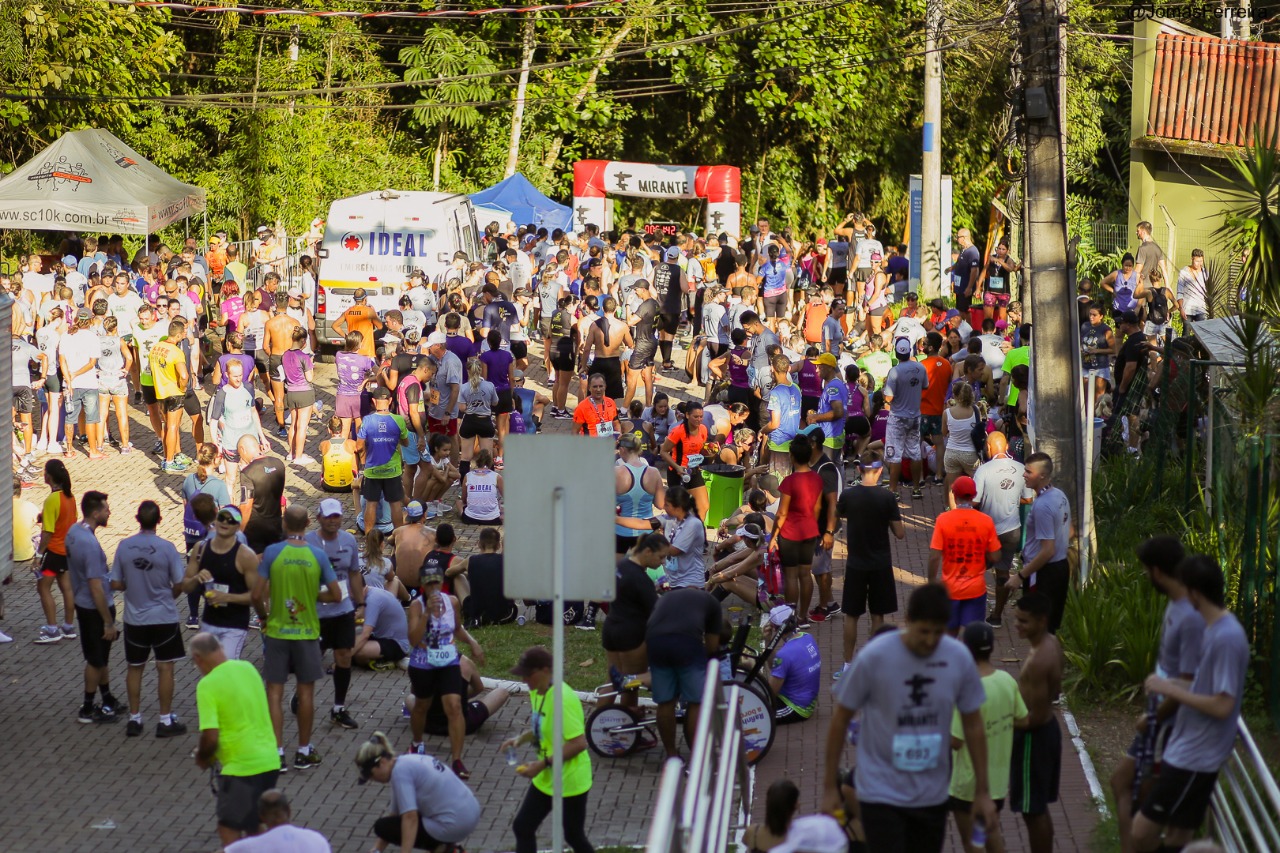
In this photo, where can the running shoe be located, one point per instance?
(283, 432)
(48, 635)
(192, 623)
(126, 449)
(113, 441)
(803, 626)
(832, 609)
(304, 459)
(5, 638)
(460, 770)
(68, 632)
(817, 614)
(104, 714)
(497, 463)
(157, 448)
(54, 448)
(284, 765)
(342, 718)
(306, 762)
(87, 713)
(183, 459)
(562, 415)
(994, 621)
(174, 729)
(917, 494)
(133, 728)
(382, 666)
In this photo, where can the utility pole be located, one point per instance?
(931, 170)
(1055, 344)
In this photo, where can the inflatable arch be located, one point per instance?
(595, 180)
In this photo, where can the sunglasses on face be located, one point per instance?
(226, 518)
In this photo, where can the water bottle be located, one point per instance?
(978, 838)
(685, 479)
(513, 757)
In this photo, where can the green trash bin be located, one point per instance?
(724, 488)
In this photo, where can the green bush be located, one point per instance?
(1111, 633)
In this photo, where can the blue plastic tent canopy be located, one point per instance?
(526, 204)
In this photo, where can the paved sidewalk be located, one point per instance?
(798, 749)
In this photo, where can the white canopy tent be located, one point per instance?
(90, 181)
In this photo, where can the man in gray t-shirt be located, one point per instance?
(906, 685)
(95, 611)
(149, 571)
(1204, 732)
(1047, 536)
(385, 634)
(903, 388)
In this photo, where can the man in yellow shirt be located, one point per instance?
(169, 372)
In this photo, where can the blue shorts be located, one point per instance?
(82, 399)
(669, 683)
(409, 452)
(967, 610)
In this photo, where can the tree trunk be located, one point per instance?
(553, 153)
(517, 117)
(435, 166)
(821, 205)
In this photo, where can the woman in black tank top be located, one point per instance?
(228, 579)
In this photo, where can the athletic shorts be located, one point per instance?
(677, 668)
(872, 591)
(434, 683)
(505, 402)
(931, 425)
(141, 640)
(642, 355)
(171, 404)
(81, 400)
(374, 489)
(520, 349)
(796, 552)
(390, 649)
(96, 650)
(862, 275)
(302, 657)
(447, 427)
(544, 328)
(902, 438)
(232, 639)
(991, 300)
(238, 799)
(1149, 749)
(53, 564)
(966, 610)
(610, 367)
(784, 714)
(24, 400)
(1179, 797)
(959, 462)
(1036, 767)
(348, 406)
(878, 312)
(274, 363)
(1010, 545)
(899, 828)
(409, 454)
(53, 383)
(112, 387)
(668, 323)
(300, 399)
(338, 632)
(476, 426)
(857, 425)
(775, 306)
(838, 276)
(695, 480)
(149, 395)
(562, 354)
(475, 712)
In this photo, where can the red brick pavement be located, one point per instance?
(798, 749)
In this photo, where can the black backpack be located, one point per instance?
(978, 434)
(1159, 313)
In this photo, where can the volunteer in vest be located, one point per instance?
(292, 579)
(534, 669)
(435, 670)
(338, 619)
(833, 404)
(225, 571)
(639, 489)
(481, 501)
(597, 416)
(688, 438)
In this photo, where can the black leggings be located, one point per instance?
(534, 810)
(388, 829)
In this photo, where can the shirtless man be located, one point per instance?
(1037, 749)
(412, 541)
(608, 336)
(277, 340)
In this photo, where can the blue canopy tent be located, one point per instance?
(526, 204)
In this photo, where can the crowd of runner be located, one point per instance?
(819, 379)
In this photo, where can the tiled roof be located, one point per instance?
(1213, 90)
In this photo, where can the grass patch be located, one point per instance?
(585, 666)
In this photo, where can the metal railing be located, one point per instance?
(1246, 801)
(694, 814)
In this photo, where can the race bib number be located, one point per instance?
(604, 429)
(916, 753)
(995, 284)
(345, 587)
(443, 656)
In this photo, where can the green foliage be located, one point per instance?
(1111, 633)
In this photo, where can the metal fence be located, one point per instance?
(1246, 802)
(1177, 241)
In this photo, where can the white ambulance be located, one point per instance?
(375, 240)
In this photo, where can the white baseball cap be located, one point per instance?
(330, 507)
(437, 339)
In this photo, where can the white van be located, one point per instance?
(377, 239)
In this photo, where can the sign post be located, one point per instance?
(572, 476)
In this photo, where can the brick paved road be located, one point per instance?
(798, 749)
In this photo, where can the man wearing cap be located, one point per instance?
(446, 385)
(379, 440)
(1001, 493)
(227, 572)
(903, 388)
(359, 318)
(216, 259)
(293, 579)
(795, 670)
(78, 354)
(832, 405)
(964, 542)
(435, 666)
(669, 284)
(269, 254)
(1002, 711)
(277, 340)
(534, 669)
(338, 619)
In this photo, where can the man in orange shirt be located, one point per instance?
(964, 543)
(360, 318)
(934, 399)
(597, 416)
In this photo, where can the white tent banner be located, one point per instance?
(88, 180)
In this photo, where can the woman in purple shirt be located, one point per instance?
(499, 368)
(353, 369)
(299, 396)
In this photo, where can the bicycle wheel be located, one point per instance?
(755, 714)
(756, 682)
(612, 731)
